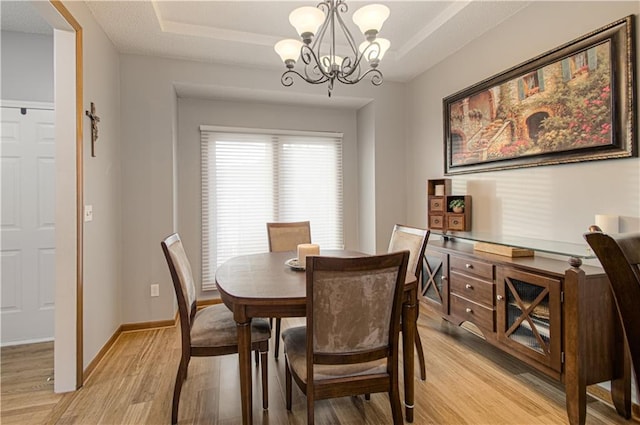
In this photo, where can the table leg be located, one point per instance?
(244, 354)
(408, 341)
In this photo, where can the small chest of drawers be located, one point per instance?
(441, 212)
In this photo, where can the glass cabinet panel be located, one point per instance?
(433, 283)
(529, 314)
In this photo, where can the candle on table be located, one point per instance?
(305, 250)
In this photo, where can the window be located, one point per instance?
(579, 64)
(531, 84)
(249, 179)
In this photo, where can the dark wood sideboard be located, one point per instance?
(559, 319)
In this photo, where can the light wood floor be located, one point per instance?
(468, 382)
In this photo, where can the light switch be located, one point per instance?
(88, 213)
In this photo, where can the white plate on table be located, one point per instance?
(294, 264)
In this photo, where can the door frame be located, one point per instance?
(79, 186)
(68, 334)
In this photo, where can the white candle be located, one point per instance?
(439, 190)
(607, 223)
(305, 250)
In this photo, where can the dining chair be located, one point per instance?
(350, 343)
(415, 241)
(286, 237)
(209, 331)
(620, 257)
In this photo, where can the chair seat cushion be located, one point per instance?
(295, 348)
(213, 326)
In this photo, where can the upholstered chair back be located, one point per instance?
(287, 236)
(183, 283)
(412, 239)
(353, 302)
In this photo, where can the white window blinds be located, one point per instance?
(249, 179)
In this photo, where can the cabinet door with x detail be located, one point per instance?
(434, 287)
(529, 314)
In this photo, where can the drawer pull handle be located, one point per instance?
(499, 297)
(469, 266)
(468, 286)
(468, 310)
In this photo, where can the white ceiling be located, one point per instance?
(422, 33)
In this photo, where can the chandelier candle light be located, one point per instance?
(321, 63)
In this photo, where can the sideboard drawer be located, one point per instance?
(480, 316)
(436, 204)
(456, 222)
(473, 289)
(472, 267)
(436, 222)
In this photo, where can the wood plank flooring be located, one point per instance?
(468, 382)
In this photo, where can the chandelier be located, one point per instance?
(321, 63)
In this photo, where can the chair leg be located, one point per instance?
(287, 379)
(423, 372)
(265, 379)
(310, 405)
(278, 323)
(177, 389)
(257, 355)
(396, 407)
(394, 396)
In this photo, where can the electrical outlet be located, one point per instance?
(155, 290)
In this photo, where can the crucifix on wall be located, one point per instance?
(94, 127)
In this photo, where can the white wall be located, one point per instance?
(148, 129)
(27, 67)
(195, 112)
(102, 187)
(66, 318)
(390, 165)
(367, 177)
(551, 202)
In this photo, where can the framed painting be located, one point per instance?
(574, 103)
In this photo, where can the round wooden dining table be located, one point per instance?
(262, 285)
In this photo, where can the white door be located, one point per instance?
(27, 148)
